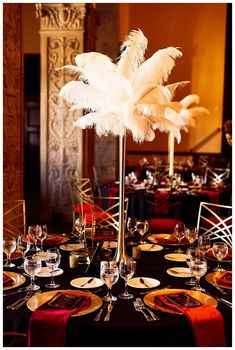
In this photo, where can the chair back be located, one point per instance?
(215, 176)
(215, 221)
(14, 218)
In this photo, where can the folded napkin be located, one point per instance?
(225, 279)
(47, 325)
(7, 280)
(210, 254)
(206, 321)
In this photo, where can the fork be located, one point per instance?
(221, 289)
(143, 307)
(19, 301)
(138, 308)
(18, 306)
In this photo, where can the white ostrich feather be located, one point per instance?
(158, 95)
(157, 68)
(199, 111)
(190, 99)
(132, 53)
(173, 87)
(69, 68)
(85, 96)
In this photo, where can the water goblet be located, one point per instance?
(220, 251)
(190, 253)
(131, 227)
(179, 232)
(127, 267)
(109, 275)
(191, 233)
(198, 267)
(79, 228)
(33, 234)
(204, 243)
(42, 234)
(9, 246)
(23, 245)
(32, 265)
(52, 261)
(142, 227)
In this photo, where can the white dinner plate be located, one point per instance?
(150, 247)
(183, 272)
(80, 282)
(46, 272)
(176, 257)
(71, 246)
(149, 282)
(42, 255)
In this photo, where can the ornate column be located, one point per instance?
(12, 103)
(62, 38)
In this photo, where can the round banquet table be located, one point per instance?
(126, 328)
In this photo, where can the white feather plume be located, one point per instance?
(132, 53)
(157, 68)
(69, 68)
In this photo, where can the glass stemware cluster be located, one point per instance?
(9, 246)
(109, 274)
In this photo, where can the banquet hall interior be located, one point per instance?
(165, 181)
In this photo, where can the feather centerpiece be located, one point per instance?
(129, 97)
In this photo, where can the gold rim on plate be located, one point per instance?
(175, 257)
(36, 300)
(202, 297)
(212, 277)
(156, 238)
(17, 277)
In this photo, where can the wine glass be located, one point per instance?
(33, 234)
(131, 227)
(142, 227)
(198, 267)
(127, 267)
(23, 245)
(109, 275)
(52, 261)
(220, 251)
(204, 243)
(190, 253)
(179, 232)
(32, 265)
(79, 228)
(9, 246)
(191, 233)
(42, 234)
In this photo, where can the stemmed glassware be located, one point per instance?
(52, 261)
(204, 243)
(191, 252)
(23, 247)
(131, 227)
(191, 233)
(142, 227)
(198, 267)
(9, 246)
(179, 232)
(127, 267)
(32, 265)
(109, 275)
(79, 229)
(33, 232)
(42, 234)
(220, 251)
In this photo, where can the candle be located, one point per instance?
(171, 141)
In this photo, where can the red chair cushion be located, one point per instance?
(89, 210)
(163, 225)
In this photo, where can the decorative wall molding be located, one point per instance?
(12, 103)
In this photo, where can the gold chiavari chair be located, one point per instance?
(215, 176)
(14, 218)
(215, 221)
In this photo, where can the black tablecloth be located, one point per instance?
(126, 327)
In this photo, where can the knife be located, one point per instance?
(110, 308)
(143, 282)
(97, 317)
(89, 281)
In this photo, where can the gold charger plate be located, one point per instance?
(211, 278)
(162, 238)
(204, 298)
(38, 299)
(18, 279)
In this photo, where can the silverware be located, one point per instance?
(89, 281)
(143, 282)
(18, 306)
(178, 273)
(152, 290)
(97, 317)
(221, 289)
(224, 301)
(110, 308)
(20, 290)
(143, 307)
(138, 308)
(19, 301)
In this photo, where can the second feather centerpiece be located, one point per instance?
(129, 97)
